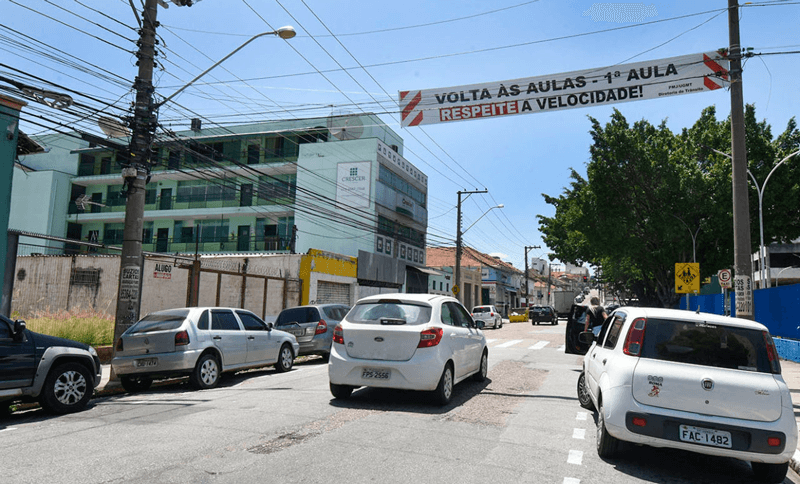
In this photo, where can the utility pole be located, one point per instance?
(135, 174)
(741, 205)
(527, 292)
(458, 243)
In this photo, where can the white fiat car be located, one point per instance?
(693, 381)
(407, 341)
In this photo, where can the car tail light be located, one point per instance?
(430, 337)
(119, 345)
(491, 315)
(772, 353)
(635, 338)
(639, 422)
(322, 327)
(338, 334)
(774, 441)
(182, 338)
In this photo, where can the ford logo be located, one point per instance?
(708, 384)
(379, 339)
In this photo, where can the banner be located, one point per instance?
(592, 87)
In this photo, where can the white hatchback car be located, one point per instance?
(693, 381)
(407, 341)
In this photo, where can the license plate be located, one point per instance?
(376, 373)
(698, 435)
(146, 362)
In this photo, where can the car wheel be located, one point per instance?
(67, 388)
(501, 324)
(285, 360)
(341, 392)
(607, 444)
(135, 384)
(484, 369)
(444, 391)
(770, 472)
(206, 372)
(583, 393)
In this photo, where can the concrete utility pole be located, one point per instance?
(136, 172)
(457, 269)
(741, 205)
(527, 292)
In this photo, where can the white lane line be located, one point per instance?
(10, 428)
(575, 457)
(581, 416)
(539, 345)
(571, 480)
(562, 348)
(579, 433)
(509, 343)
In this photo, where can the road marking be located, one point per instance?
(575, 457)
(490, 341)
(10, 428)
(579, 433)
(562, 348)
(581, 416)
(571, 480)
(539, 345)
(509, 343)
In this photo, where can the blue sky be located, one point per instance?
(394, 46)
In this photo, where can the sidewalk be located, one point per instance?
(791, 375)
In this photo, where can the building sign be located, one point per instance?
(163, 271)
(353, 184)
(591, 87)
(404, 204)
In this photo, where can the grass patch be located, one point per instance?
(87, 326)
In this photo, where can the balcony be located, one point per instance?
(231, 244)
(187, 203)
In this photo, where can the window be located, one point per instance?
(251, 322)
(113, 233)
(147, 233)
(105, 165)
(294, 315)
(202, 323)
(86, 165)
(613, 333)
(150, 196)
(222, 320)
(114, 196)
(187, 235)
(5, 330)
(174, 160)
(84, 277)
(253, 154)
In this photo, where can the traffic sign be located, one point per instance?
(687, 277)
(724, 277)
(455, 289)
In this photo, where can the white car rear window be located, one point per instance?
(388, 313)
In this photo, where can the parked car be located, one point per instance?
(407, 341)
(518, 315)
(699, 382)
(312, 326)
(199, 342)
(575, 323)
(543, 314)
(489, 315)
(59, 373)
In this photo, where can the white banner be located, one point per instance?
(353, 184)
(592, 87)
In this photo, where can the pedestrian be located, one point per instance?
(595, 315)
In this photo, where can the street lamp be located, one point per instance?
(459, 233)
(777, 279)
(762, 253)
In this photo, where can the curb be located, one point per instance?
(794, 462)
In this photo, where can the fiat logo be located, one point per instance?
(379, 339)
(708, 384)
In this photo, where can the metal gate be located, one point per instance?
(332, 292)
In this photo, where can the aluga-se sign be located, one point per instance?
(591, 87)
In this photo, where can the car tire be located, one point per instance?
(484, 368)
(583, 393)
(341, 392)
(206, 373)
(285, 359)
(135, 384)
(444, 391)
(501, 324)
(67, 389)
(773, 473)
(607, 444)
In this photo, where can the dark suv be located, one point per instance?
(60, 374)
(312, 326)
(543, 314)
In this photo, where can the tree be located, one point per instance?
(649, 191)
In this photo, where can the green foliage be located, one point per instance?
(648, 193)
(90, 327)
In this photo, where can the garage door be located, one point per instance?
(332, 292)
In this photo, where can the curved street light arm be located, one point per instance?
(484, 213)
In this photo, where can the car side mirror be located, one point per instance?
(586, 337)
(270, 326)
(480, 324)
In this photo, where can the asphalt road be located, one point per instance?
(523, 424)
